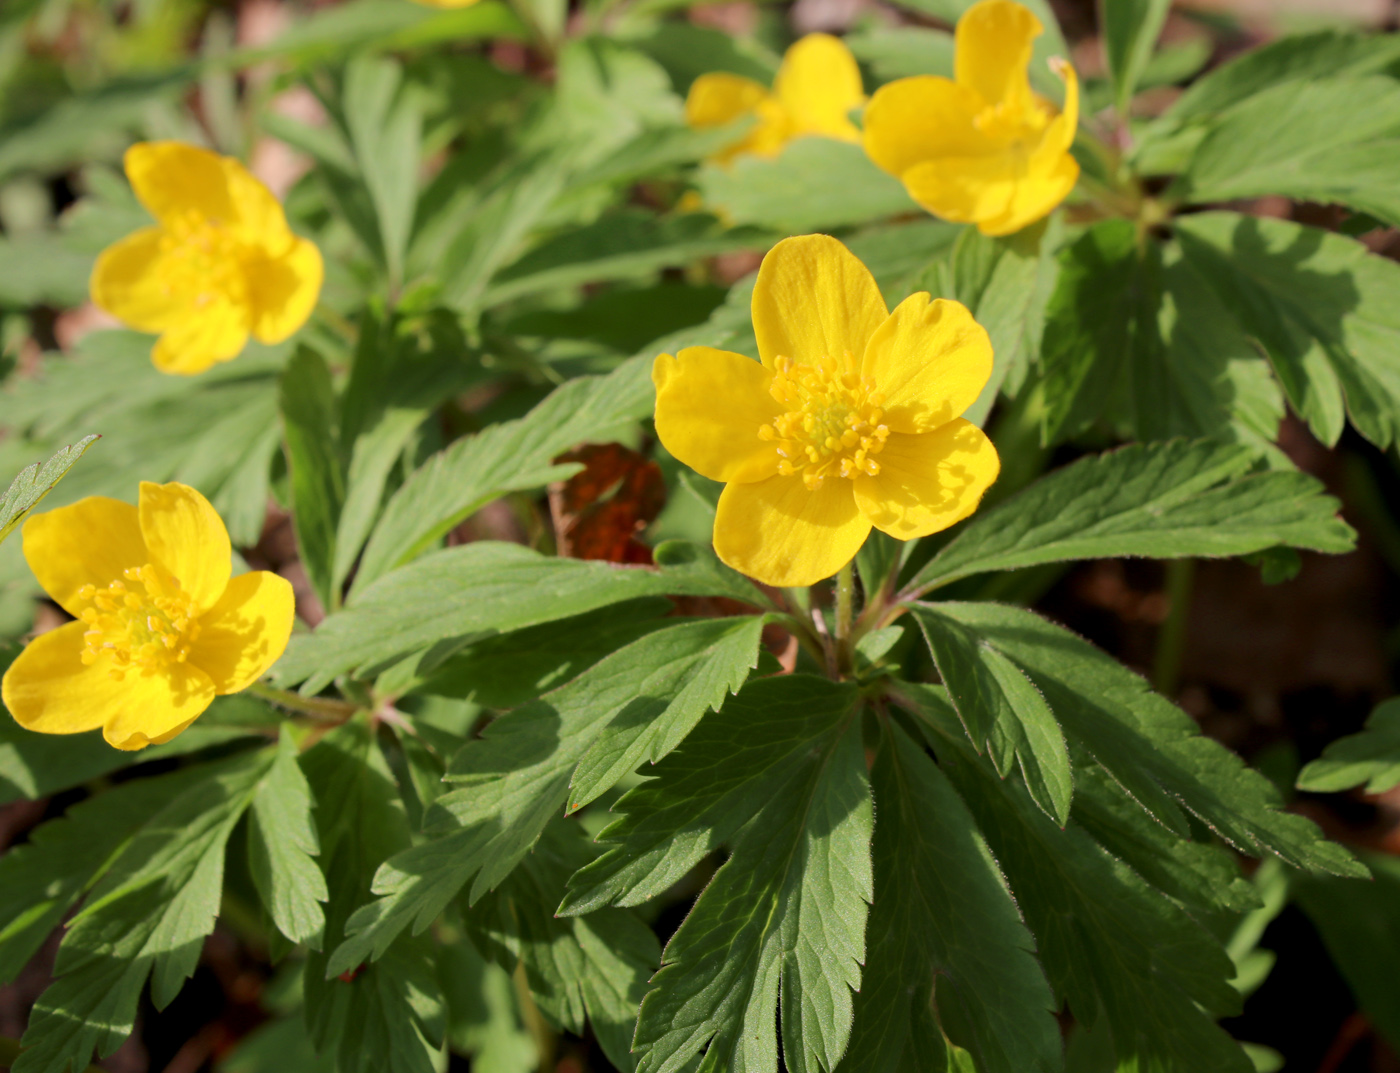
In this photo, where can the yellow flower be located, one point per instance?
(983, 148)
(817, 86)
(850, 421)
(221, 263)
(161, 628)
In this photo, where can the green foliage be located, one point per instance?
(1370, 758)
(1130, 31)
(1169, 500)
(35, 482)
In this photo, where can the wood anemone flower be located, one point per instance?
(221, 263)
(851, 421)
(982, 148)
(161, 627)
(816, 88)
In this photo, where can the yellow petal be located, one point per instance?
(188, 538)
(818, 85)
(90, 542)
(780, 533)
(284, 290)
(814, 299)
(1059, 135)
(246, 632)
(157, 705)
(929, 481)
(720, 98)
(929, 361)
(201, 338)
(1035, 196)
(913, 120)
(992, 54)
(48, 689)
(710, 405)
(127, 282)
(173, 179)
(964, 189)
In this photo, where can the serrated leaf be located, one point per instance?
(783, 921)
(1111, 945)
(506, 457)
(516, 778)
(1326, 139)
(1371, 757)
(1320, 304)
(149, 914)
(44, 878)
(483, 586)
(1152, 748)
(1002, 710)
(1130, 30)
(35, 482)
(1169, 500)
(640, 732)
(386, 1017)
(592, 968)
(947, 951)
(282, 847)
(307, 401)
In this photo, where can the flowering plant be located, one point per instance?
(579, 565)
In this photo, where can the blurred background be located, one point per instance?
(1274, 671)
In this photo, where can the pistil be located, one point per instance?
(832, 425)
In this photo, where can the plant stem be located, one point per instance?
(1171, 641)
(318, 708)
(845, 603)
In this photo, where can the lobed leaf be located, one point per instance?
(1130, 31)
(282, 847)
(35, 482)
(1164, 500)
(1370, 758)
(517, 776)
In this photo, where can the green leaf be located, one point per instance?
(517, 776)
(1006, 283)
(1359, 921)
(624, 319)
(780, 769)
(946, 949)
(44, 878)
(149, 914)
(1329, 140)
(477, 587)
(385, 126)
(1130, 31)
(1050, 43)
(1111, 945)
(483, 1018)
(1151, 747)
(907, 52)
(1371, 757)
(1002, 711)
(1168, 143)
(282, 846)
(648, 732)
(620, 245)
(507, 669)
(1321, 306)
(386, 1017)
(1182, 498)
(815, 184)
(34, 483)
(307, 400)
(511, 456)
(592, 968)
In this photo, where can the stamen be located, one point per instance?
(832, 422)
(145, 622)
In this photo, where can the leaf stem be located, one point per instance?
(845, 603)
(321, 709)
(1171, 641)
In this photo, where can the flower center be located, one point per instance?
(141, 621)
(202, 261)
(832, 424)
